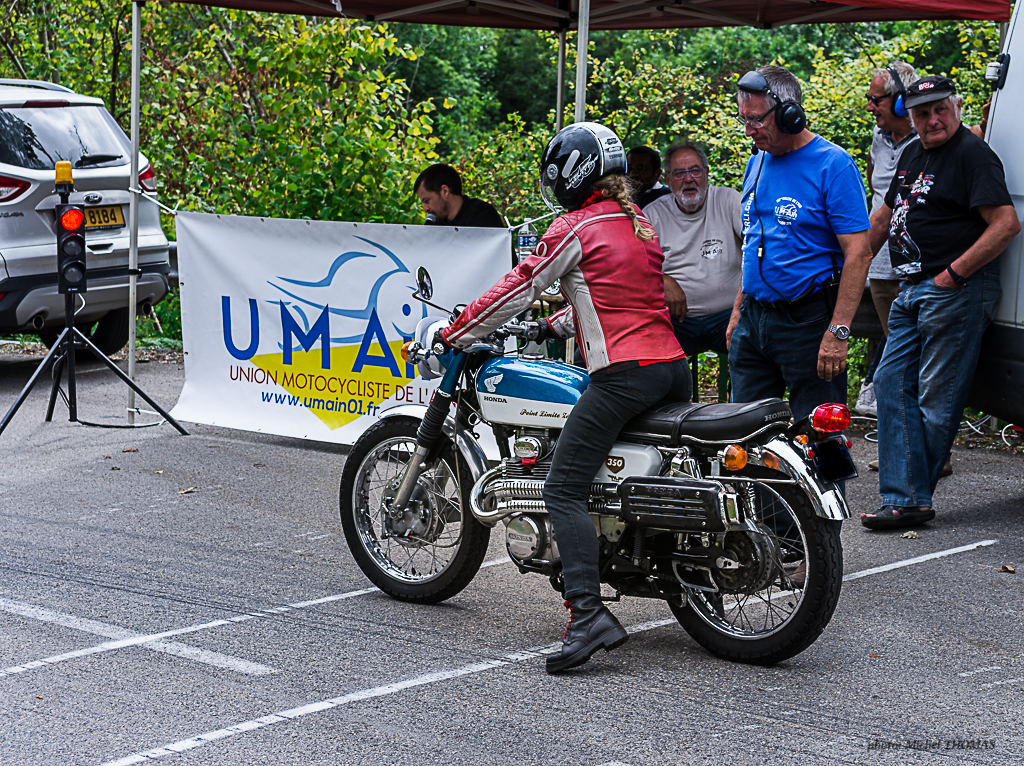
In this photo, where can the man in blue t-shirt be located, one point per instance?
(805, 252)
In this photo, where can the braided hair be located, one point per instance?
(613, 186)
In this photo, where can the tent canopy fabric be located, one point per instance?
(558, 15)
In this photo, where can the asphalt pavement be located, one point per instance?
(191, 600)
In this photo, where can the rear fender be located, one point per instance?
(826, 499)
(470, 448)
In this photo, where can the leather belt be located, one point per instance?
(920, 276)
(814, 297)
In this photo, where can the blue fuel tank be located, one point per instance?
(529, 392)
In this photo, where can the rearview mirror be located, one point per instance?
(426, 287)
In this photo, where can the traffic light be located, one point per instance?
(70, 249)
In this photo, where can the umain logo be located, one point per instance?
(358, 363)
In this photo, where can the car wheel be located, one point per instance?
(109, 334)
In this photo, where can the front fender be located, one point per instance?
(469, 447)
(827, 500)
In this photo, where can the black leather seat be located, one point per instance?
(667, 423)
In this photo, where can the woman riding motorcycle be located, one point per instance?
(609, 263)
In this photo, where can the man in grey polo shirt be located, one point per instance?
(700, 232)
(893, 133)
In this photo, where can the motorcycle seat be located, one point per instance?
(670, 423)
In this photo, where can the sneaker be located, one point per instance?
(866, 402)
(873, 465)
(895, 517)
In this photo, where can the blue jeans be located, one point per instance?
(774, 349)
(704, 333)
(611, 400)
(923, 380)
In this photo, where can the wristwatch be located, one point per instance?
(841, 331)
(958, 278)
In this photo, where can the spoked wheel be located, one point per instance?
(783, 593)
(431, 550)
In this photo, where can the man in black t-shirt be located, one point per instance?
(439, 189)
(947, 216)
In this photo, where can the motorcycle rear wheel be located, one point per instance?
(432, 551)
(783, 618)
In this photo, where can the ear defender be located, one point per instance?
(897, 103)
(789, 115)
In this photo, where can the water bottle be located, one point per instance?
(528, 239)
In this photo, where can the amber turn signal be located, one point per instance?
(735, 457)
(801, 438)
(405, 350)
(770, 460)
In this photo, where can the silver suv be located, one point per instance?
(41, 124)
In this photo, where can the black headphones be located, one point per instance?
(898, 107)
(789, 115)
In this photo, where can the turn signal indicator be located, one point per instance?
(735, 457)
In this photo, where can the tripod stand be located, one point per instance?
(63, 354)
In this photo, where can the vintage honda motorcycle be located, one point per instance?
(728, 512)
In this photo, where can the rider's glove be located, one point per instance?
(438, 345)
(538, 332)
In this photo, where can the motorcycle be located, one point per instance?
(730, 513)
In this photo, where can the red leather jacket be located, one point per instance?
(611, 280)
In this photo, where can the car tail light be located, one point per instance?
(12, 188)
(147, 179)
(44, 104)
(831, 418)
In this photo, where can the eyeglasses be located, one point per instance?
(693, 173)
(877, 100)
(754, 122)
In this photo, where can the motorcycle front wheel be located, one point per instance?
(435, 547)
(785, 590)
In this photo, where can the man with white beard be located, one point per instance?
(701, 234)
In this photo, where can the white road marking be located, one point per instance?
(124, 637)
(918, 560)
(365, 694)
(1002, 683)
(496, 562)
(980, 670)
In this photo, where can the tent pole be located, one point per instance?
(133, 202)
(560, 99)
(582, 40)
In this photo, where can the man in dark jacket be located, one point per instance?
(439, 189)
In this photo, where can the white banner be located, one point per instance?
(295, 327)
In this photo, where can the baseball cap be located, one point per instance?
(928, 89)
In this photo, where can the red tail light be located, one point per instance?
(44, 104)
(831, 418)
(147, 179)
(12, 188)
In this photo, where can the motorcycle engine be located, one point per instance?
(529, 537)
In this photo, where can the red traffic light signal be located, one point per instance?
(70, 249)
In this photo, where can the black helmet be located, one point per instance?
(575, 158)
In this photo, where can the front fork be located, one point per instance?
(429, 431)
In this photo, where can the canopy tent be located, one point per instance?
(557, 16)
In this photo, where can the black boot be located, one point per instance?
(591, 626)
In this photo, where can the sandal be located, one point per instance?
(895, 517)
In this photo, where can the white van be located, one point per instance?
(999, 381)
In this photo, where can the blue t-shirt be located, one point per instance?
(804, 199)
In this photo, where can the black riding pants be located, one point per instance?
(611, 400)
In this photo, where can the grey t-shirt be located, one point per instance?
(703, 250)
(884, 157)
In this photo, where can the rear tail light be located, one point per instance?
(44, 104)
(147, 179)
(12, 188)
(831, 418)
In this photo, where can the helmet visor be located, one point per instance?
(547, 193)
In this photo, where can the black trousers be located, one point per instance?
(611, 401)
